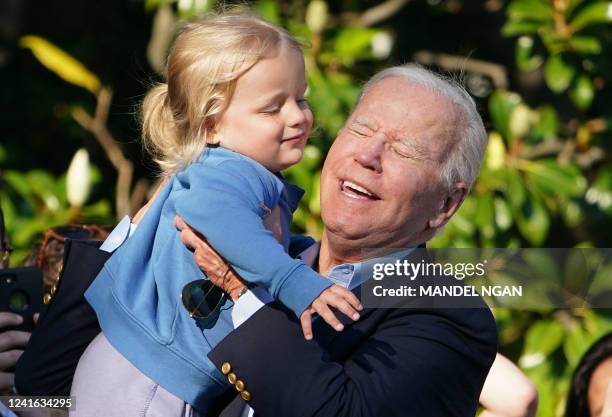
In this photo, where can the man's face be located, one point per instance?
(380, 184)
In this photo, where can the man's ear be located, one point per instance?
(450, 205)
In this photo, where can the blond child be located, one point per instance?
(230, 117)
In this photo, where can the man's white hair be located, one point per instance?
(465, 156)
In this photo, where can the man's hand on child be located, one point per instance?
(335, 296)
(218, 270)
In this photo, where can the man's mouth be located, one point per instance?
(356, 191)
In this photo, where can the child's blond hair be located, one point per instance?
(205, 61)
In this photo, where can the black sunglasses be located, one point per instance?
(201, 298)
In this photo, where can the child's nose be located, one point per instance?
(297, 114)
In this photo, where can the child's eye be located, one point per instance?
(271, 110)
(302, 102)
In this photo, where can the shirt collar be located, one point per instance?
(292, 194)
(348, 275)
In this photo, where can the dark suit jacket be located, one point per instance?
(47, 365)
(409, 362)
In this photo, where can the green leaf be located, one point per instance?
(594, 13)
(462, 225)
(577, 273)
(301, 176)
(353, 42)
(327, 108)
(61, 63)
(530, 10)
(547, 123)
(515, 189)
(191, 8)
(501, 105)
(100, 212)
(542, 339)
(601, 285)
(558, 73)
(269, 10)
(602, 321)
(10, 212)
(521, 120)
(519, 27)
(503, 215)
(585, 44)
(542, 266)
(18, 182)
(582, 92)
(484, 218)
(553, 178)
(533, 221)
(343, 87)
(43, 184)
(576, 344)
(524, 54)
(571, 213)
(315, 199)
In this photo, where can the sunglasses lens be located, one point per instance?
(201, 298)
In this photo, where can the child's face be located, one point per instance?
(268, 119)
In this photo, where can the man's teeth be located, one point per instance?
(356, 187)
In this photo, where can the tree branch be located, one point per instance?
(97, 127)
(496, 72)
(375, 14)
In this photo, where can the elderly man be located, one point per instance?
(397, 172)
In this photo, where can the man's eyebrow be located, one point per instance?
(419, 151)
(365, 122)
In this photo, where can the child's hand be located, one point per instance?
(334, 296)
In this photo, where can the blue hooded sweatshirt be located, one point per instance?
(137, 295)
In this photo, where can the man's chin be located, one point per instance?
(346, 229)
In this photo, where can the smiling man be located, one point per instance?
(396, 173)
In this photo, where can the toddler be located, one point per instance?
(230, 117)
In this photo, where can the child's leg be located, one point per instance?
(107, 384)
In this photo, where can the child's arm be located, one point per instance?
(223, 275)
(224, 202)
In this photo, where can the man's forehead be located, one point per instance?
(425, 121)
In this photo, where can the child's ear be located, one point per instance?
(209, 126)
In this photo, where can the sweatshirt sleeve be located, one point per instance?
(225, 202)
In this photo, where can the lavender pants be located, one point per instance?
(107, 384)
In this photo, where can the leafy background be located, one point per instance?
(73, 72)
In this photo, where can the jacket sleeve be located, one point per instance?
(224, 203)
(414, 364)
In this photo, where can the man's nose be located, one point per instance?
(369, 153)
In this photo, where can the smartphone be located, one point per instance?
(21, 293)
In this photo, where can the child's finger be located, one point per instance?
(327, 315)
(345, 308)
(349, 296)
(306, 320)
